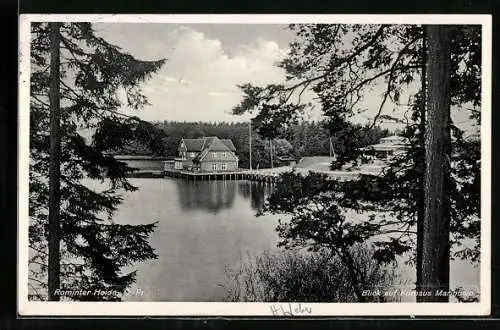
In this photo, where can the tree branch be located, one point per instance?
(391, 78)
(341, 61)
(38, 281)
(378, 75)
(36, 291)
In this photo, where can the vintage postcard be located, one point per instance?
(254, 165)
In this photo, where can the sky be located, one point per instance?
(206, 62)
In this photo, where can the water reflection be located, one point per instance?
(257, 192)
(214, 196)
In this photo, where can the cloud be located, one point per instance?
(266, 50)
(199, 80)
(218, 94)
(169, 79)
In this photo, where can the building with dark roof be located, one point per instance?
(390, 146)
(207, 154)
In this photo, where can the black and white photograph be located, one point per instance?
(268, 165)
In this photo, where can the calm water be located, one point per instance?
(203, 227)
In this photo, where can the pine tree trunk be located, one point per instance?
(54, 169)
(421, 169)
(436, 242)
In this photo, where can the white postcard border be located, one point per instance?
(32, 308)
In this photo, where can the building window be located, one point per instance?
(223, 166)
(215, 155)
(214, 167)
(224, 155)
(191, 154)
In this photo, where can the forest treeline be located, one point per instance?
(299, 140)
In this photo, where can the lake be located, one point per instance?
(206, 226)
(202, 228)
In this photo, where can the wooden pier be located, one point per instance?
(267, 175)
(263, 175)
(146, 174)
(226, 175)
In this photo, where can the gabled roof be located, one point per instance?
(395, 139)
(193, 144)
(388, 146)
(213, 143)
(229, 144)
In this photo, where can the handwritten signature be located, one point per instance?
(290, 309)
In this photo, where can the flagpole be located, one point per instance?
(271, 149)
(250, 141)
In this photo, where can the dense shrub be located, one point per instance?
(300, 276)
